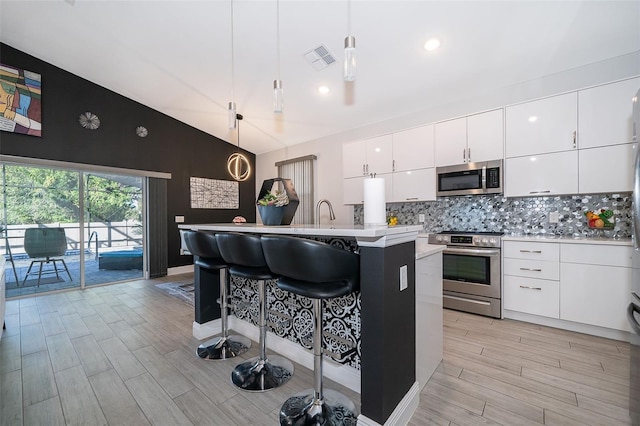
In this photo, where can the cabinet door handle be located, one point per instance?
(412, 198)
(540, 192)
(531, 288)
(575, 138)
(364, 171)
(464, 155)
(367, 168)
(531, 269)
(530, 251)
(393, 166)
(469, 155)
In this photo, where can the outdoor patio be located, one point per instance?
(49, 282)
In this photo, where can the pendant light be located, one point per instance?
(278, 96)
(231, 112)
(238, 165)
(349, 50)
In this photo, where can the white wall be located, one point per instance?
(329, 149)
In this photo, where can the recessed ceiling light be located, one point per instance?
(323, 90)
(533, 119)
(431, 44)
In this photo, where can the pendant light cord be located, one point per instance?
(278, 33)
(348, 17)
(233, 80)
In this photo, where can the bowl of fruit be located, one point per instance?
(600, 219)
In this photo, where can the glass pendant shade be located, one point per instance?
(232, 115)
(350, 58)
(278, 96)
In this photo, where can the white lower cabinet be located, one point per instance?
(429, 344)
(595, 284)
(588, 284)
(532, 296)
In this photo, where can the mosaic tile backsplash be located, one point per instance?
(515, 216)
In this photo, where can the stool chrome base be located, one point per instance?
(258, 374)
(333, 409)
(223, 347)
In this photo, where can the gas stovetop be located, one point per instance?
(468, 239)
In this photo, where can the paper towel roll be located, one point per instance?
(375, 211)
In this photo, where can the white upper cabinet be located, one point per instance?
(367, 156)
(353, 159)
(414, 185)
(451, 142)
(605, 114)
(470, 139)
(413, 149)
(542, 126)
(541, 175)
(606, 169)
(485, 136)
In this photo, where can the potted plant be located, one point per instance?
(271, 207)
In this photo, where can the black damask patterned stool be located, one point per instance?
(244, 253)
(319, 271)
(203, 245)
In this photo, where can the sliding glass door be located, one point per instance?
(113, 228)
(68, 228)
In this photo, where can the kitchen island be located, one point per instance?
(388, 388)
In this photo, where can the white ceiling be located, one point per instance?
(175, 56)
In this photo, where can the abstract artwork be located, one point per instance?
(214, 194)
(20, 101)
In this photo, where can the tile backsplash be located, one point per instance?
(515, 216)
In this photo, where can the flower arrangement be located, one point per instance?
(274, 198)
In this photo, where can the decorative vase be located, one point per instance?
(271, 215)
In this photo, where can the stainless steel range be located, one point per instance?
(471, 271)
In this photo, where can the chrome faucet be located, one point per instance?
(332, 216)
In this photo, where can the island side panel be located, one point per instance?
(206, 285)
(388, 328)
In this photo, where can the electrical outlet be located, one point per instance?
(403, 278)
(421, 218)
(554, 217)
(179, 219)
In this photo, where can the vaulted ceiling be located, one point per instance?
(175, 56)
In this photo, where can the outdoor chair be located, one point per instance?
(42, 244)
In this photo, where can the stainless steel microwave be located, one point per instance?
(470, 179)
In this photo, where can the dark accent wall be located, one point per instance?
(171, 146)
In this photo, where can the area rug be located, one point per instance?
(182, 290)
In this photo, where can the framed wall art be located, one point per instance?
(20, 101)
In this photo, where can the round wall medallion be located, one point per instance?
(142, 131)
(239, 167)
(89, 120)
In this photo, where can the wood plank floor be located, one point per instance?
(124, 355)
(514, 373)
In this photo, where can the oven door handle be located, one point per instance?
(472, 251)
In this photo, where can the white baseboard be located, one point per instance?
(403, 411)
(180, 270)
(208, 329)
(593, 330)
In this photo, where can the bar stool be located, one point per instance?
(319, 271)
(204, 246)
(244, 253)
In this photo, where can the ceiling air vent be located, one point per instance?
(320, 57)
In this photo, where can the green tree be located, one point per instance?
(38, 195)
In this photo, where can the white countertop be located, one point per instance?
(424, 249)
(377, 236)
(570, 240)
